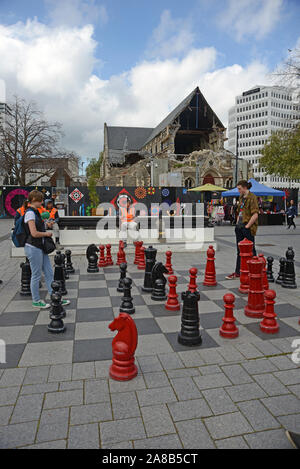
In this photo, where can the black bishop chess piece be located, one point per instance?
(190, 323)
(281, 271)
(25, 278)
(69, 265)
(59, 274)
(150, 255)
(92, 257)
(123, 270)
(270, 275)
(56, 324)
(159, 282)
(127, 304)
(289, 276)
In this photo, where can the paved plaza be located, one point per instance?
(240, 393)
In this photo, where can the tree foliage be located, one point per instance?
(93, 174)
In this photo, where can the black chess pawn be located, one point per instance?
(289, 276)
(69, 265)
(25, 278)
(150, 255)
(159, 290)
(56, 324)
(64, 266)
(190, 323)
(123, 270)
(281, 271)
(59, 274)
(56, 289)
(93, 263)
(270, 275)
(126, 304)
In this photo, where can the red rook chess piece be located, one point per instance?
(269, 323)
(142, 263)
(102, 260)
(246, 253)
(168, 264)
(138, 245)
(172, 303)
(210, 271)
(109, 260)
(256, 302)
(265, 277)
(192, 286)
(124, 345)
(228, 328)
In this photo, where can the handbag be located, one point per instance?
(48, 245)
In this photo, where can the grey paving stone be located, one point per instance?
(185, 388)
(156, 380)
(289, 377)
(266, 348)
(261, 365)
(271, 385)
(282, 405)
(283, 344)
(20, 434)
(193, 434)
(295, 390)
(183, 372)
(84, 437)
(38, 388)
(9, 395)
(191, 358)
(257, 415)
(231, 354)
(211, 357)
(125, 386)
(57, 444)
(63, 399)
(149, 363)
(83, 371)
(125, 405)
(120, 430)
(290, 422)
(53, 423)
(120, 445)
(102, 368)
(162, 442)
(90, 413)
(170, 361)
(236, 374)
(156, 396)
(216, 380)
(209, 369)
(219, 401)
(69, 385)
(5, 413)
(226, 425)
(60, 372)
(157, 420)
(12, 377)
(272, 439)
(236, 442)
(283, 362)
(248, 350)
(191, 409)
(95, 391)
(27, 408)
(36, 375)
(244, 392)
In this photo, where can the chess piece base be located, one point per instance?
(25, 293)
(120, 373)
(175, 307)
(269, 329)
(127, 310)
(208, 283)
(229, 334)
(56, 326)
(158, 298)
(189, 341)
(253, 314)
(92, 270)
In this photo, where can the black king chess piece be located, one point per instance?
(190, 323)
(59, 274)
(150, 254)
(69, 265)
(159, 282)
(123, 270)
(126, 304)
(270, 275)
(289, 276)
(25, 278)
(281, 270)
(56, 324)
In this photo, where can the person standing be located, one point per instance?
(247, 221)
(291, 214)
(53, 221)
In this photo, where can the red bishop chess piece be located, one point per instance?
(228, 328)
(256, 302)
(109, 260)
(192, 286)
(142, 262)
(265, 276)
(210, 271)
(102, 260)
(246, 253)
(138, 245)
(172, 303)
(124, 345)
(121, 258)
(269, 325)
(168, 264)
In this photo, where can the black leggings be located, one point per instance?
(240, 234)
(291, 222)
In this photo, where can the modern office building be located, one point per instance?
(258, 113)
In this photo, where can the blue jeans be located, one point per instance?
(39, 261)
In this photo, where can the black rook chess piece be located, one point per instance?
(59, 274)
(123, 269)
(150, 254)
(159, 282)
(289, 276)
(56, 324)
(270, 275)
(281, 270)
(69, 265)
(127, 305)
(190, 327)
(25, 278)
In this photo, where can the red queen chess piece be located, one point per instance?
(172, 303)
(246, 253)
(228, 328)
(210, 271)
(269, 325)
(109, 260)
(102, 260)
(256, 301)
(124, 345)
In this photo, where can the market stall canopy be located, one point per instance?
(257, 189)
(208, 188)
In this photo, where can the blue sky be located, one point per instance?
(129, 62)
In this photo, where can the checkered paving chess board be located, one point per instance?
(95, 302)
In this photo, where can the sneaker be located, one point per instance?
(233, 276)
(40, 304)
(65, 302)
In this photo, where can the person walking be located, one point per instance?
(247, 221)
(291, 214)
(39, 261)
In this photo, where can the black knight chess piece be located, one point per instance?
(92, 257)
(289, 276)
(59, 274)
(126, 304)
(123, 270)
(25, 278)
(150, 254)
(190, 323)
(281, 270)
(159, 282)
(270, 275)
(69, 265)
(56, 324)
(91, 249)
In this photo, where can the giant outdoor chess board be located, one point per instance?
(95, 302)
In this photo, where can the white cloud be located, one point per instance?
(76, 12)
(250, 18)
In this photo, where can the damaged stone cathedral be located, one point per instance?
(188, 146)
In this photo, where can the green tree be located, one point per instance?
(93, 174)
(281, 154)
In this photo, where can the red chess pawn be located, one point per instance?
(269, 323)
(138, 245)
(172, 303)
(192, 286)
(121, 258)
(142, 262)
(102, 260)
(228, 328)
(265, 277)
(246, 253)
(256, 301)
(124, 345)
(210, 271)
(109, 260)
(168, 264)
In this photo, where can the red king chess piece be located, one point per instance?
(256, 302)
(265, 277)
(124, 345)
(210, 271)
(172, 303)
(269, 323)
(138, 245)
(228, 328)
(168, 264)
(102, 260)
(192, 286)
(246, 253)
(142, 262)
(109, 260)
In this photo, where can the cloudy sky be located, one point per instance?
(86, 62)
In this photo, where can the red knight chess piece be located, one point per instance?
(265, 277)
(172, 303)
(210, 271)
(124, 345)
(269, 323)
(256, 302)
(168, 264)
(109, 260)
(246, 253)
(102, 260)
(228, 328)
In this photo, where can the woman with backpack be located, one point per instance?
(39, 261)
